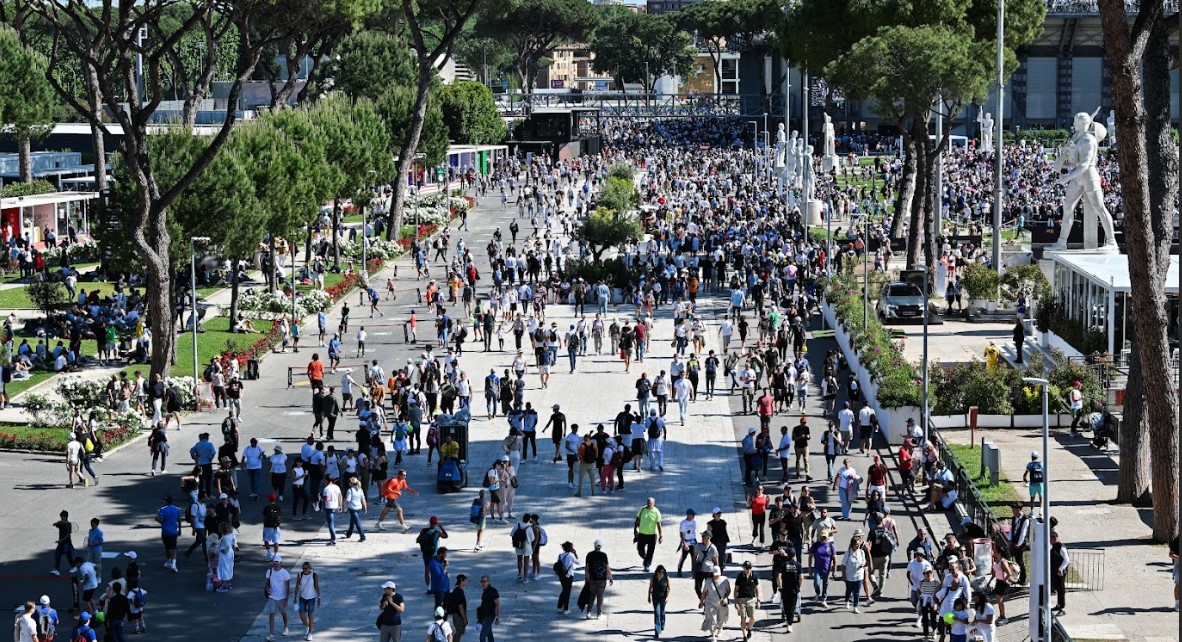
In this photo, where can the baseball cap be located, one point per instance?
(966, 520)
(716, 510)
(84, 616)
(277, 559)
(555, 406)
(747, 564)
(1034, 454)
(598, 543)
(690, 511)
(752, 431)
(278, 448)
(439, 612)
(434, 520)
(223, 496)
(505, 458)
(130, 555)
(44, 600)
(272, 497)
(388, 585)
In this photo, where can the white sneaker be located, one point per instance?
(380, 526)
(405, 527)
(153, 472)
(163, 472)
(857, 610)
(285, 633)
(789, 628)
(270, 555)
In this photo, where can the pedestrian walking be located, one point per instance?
(564, 567)
(391, 491)
(853, 570)
(331, 501)
(714, 600)
(658, 596)
(647, 532)
(357, 506)
(489, 611)
(276, 591)
(439, 584)
(456, 607)
(169, 518)
(598, 575)
(308, 595)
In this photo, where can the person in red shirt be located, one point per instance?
(765, 406)
(641, 334)
(877, 475)
(907, 466)
(316, 372)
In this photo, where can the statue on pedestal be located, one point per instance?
(1111, 128)
(801, 159)
(791, 160)
(1083, 186)
(986, 122)
(808, 180)
(781, 146)
(829, 159)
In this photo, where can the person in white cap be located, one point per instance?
(439, 630)
(714, 600)
(1035, 478)
(392, 607)
(598, 573)
(276, 591)
(46, 619)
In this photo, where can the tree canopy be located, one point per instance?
(27, 102)
(533, 27)
(638, 47)
(470, 113)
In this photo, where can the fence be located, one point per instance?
(1086, 572)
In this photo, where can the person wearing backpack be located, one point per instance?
(882, 544)
(46, 620)
(598, 574)
(564, 568)
(588, 453)
(439, 630)
(478, 515)
(522, 538)
(655, 430)
(1035, 478)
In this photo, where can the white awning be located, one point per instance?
(52, 198)
(1110, 271)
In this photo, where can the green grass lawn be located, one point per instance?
(210, 343)
(18, 299)
(970, 458)
(17, 386)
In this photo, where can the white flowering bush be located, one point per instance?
(265, 304)
(378, 249)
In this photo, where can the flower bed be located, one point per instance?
(51, 418)
(897, 379)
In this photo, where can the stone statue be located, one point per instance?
(829, 159)
(1083, 186)
(1111, 128)
(801, 160)
(986, 122)
(791, 159)
(808, 180)
(781, 146)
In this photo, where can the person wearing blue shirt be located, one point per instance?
(94, 545)
(322, 327)
(84, 632)
(46, 613)
(529, 429)
(440, 582)
(736, 302)
(169, 518)
(492, 386)
(203, 454)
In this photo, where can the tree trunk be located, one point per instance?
(336, 235)
(98, 142)
(410, 147)
(1148, 259)
(1133, 483)
(25, 149)
(234, 295)
(270, 275)
(922, 187)
(906, 187)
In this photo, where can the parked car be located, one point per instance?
(900, 301)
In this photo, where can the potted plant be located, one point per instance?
(981, 283)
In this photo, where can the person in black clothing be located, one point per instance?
(791, 578)
(391, 605)
(1060, 560)
(717, 528)
(489, 611)
(118, 608)
(1019, 338)
(456, 607)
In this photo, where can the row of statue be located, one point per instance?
(795, 167)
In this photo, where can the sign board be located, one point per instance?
(556, 83)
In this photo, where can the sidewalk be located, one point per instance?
(1136, 600)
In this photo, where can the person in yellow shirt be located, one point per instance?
(450, 449)
(992, 353)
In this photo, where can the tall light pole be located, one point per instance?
(999, 142)
(923, 417)
(1046, 507)
(193, 241)
(787, 121)
(865, 279)
(808, 158)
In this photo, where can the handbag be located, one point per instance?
(513, 481)
(721, 600)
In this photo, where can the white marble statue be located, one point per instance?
(1111, 128)
(801, 160)
(829, 159)
(808, 180)
(986, 122)
(791, 159)
(1083, 186)
(781, 146)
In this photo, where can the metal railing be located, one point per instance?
(1092, 7)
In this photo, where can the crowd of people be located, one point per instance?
(719, 230)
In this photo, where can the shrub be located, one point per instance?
(1052, 315)
(621, 171)
(613, 271)
(32, 188)
(980, 282)
(898, 380)
(1025, 279)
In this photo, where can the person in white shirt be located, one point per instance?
(915, 573)
(782, 452)
(570, 447)
(278, 471)
(688, 530)
(26, 627)
(845, 482)
(361, 342)
(74, 450)
(725, 331)
(439, 630)
(278, 590)
(331, 502)
(845, 419)
(682, 390)
(356, 504)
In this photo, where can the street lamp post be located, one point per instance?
(999, 142)
(865, 282)
(193, 240)
(1046, 507)
(923, 417)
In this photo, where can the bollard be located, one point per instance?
(406, 332)
(289, 384)
(419, 294)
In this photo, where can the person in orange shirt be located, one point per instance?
(316, 372)
(391, 491)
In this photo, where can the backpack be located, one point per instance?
(137, 598)
(400, 431)
(476, 515)
(559, 568)
(1036, 472)
(486, 483)
(880, 544)
(208, 374)
(518, 537)
(424, 538)
(654, 429)
(46, 629)
(437, 633)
